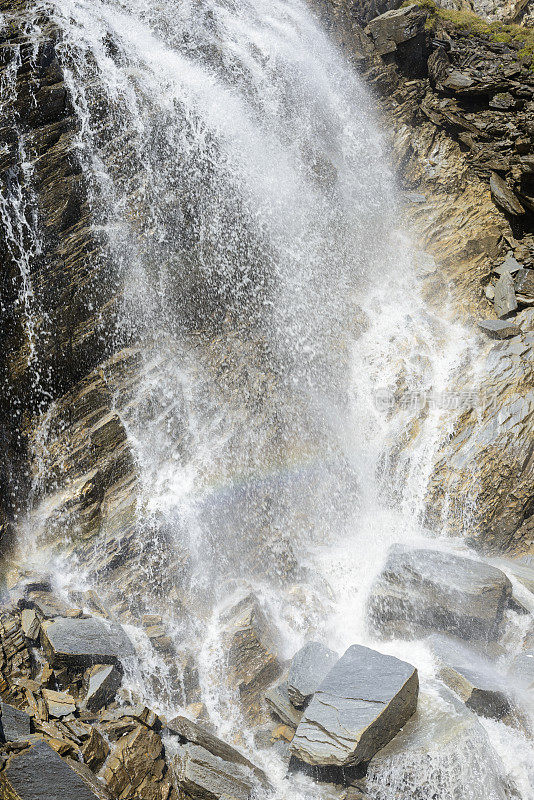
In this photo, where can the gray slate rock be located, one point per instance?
(524, 286)
(188, 731)
(472, 677)
(82, 642)
(499, 328)
(277, 698)
(363, 702)
(101, 683)
(39, 773)
(505, 301)
(504, 197)
(14, 724)
(308, 669)
(204, 776)
(421, 590)
(510, 264)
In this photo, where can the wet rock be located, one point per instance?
(522, 670)
(95, 750)
(363, 702)
(204, 776)
(59, 704)
(252, 659)
(442, 739)
(39, 773)
(520, 569)
(471, 676)
(277, 699)
(101, 683)
(428, 590)
(308, 669)
(499, 329)
(503, 101)
(82, 642)
(504, 196)
(136, 765)
(14, 723)
(189, 732)
(505, 300)
(30, 623)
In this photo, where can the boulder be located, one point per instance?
(471, 676)
(39, 773)
(277, 699)
(192, 733)
(510, 264)
(204, 776)
(363, 702)
(396, 27)
(30, 623)
(14, 724)
(82, 642)
(504, 197)
(443, 740)
(505, 301)
(101, 683)
(499, 328)
(308, 669)
(136, 765)
(250, 642)
(421, 590)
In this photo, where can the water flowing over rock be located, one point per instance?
(365, 699)
(429, 590)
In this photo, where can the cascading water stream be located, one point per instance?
(294, 386)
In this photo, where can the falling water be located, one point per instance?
(282, 418)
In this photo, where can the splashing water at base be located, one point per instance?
(282, 418)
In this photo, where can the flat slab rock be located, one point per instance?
(309, 666)
(82, 642)
(39, 773)
(421, 590)
(363, 702)
(499, 328)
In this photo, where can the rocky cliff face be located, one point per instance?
(457, 99)
(58, 293)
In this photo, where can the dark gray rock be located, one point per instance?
(308, 669)
(396, 27)
(504, 197)
(82, 642)
(190, 732)
(14, 724)
(505, 301)
(101, 683)
(471, 676)
(499, 328)
(421, 590)
(39, 773)
(365, 699)
(277, 699)
(204, 776)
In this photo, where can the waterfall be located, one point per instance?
(293, 386)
